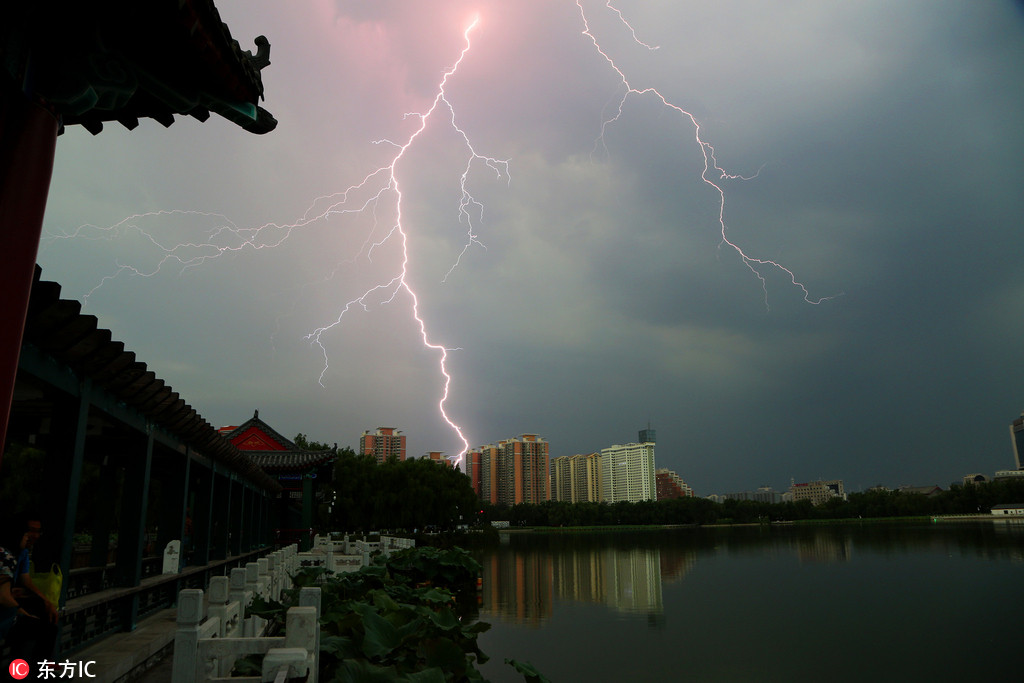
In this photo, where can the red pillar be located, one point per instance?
(28, 138)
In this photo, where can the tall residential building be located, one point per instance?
(515, 471)
(586, 478)
(561, 479)
(670, 485)
(1017, 440)
(473, 469)
(576, 478)
(489, 473)
(523, 470)
(386, 442)
(627, 473)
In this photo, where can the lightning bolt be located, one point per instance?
(377, 188)
(468, 208)
(380, 191)
(711, 167)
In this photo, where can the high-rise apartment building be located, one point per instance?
(489, 473)
(523, 470)
(474, 471)
(627, 473)
(586, 478)
(576, 478)
(561, 479)
(515, 471)
(386, 442)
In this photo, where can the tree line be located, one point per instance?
(967, 499)
(408, 495)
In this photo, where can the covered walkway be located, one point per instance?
(118, 465)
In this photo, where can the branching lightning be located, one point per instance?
(383, 187)
(468, 206)
(711, 166)
(380, 192)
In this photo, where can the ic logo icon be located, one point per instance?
(19, 669)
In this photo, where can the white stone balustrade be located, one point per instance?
(366, 549)
(228, 612)
(389, 544)
(310, 560)
(326, 543)
(205, 649)
(347, 563)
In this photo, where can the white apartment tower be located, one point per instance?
(627, 473)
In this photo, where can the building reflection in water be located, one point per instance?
(824, 548)
(526, 575)
(520, 584)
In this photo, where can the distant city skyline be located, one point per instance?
(1016, 430)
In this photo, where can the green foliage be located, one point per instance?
(410, 495)
(396, 620)
(303, 442)
(451, 567)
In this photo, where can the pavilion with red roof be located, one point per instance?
(301, 473)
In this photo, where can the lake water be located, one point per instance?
(858, 602)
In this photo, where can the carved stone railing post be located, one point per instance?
(309, 598)
(186, 639)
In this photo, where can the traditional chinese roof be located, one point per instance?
(122, 60)
(290, 461)
(256, 435)
(271, 451)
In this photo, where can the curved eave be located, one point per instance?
(124, 60)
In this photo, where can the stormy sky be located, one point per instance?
(886, 139)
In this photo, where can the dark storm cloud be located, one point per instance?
(890, 150)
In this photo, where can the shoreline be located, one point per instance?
(915, 519)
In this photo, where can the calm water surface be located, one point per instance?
(872, 602)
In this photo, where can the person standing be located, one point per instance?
(28, 620)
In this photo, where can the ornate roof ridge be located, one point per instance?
(255, 421)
